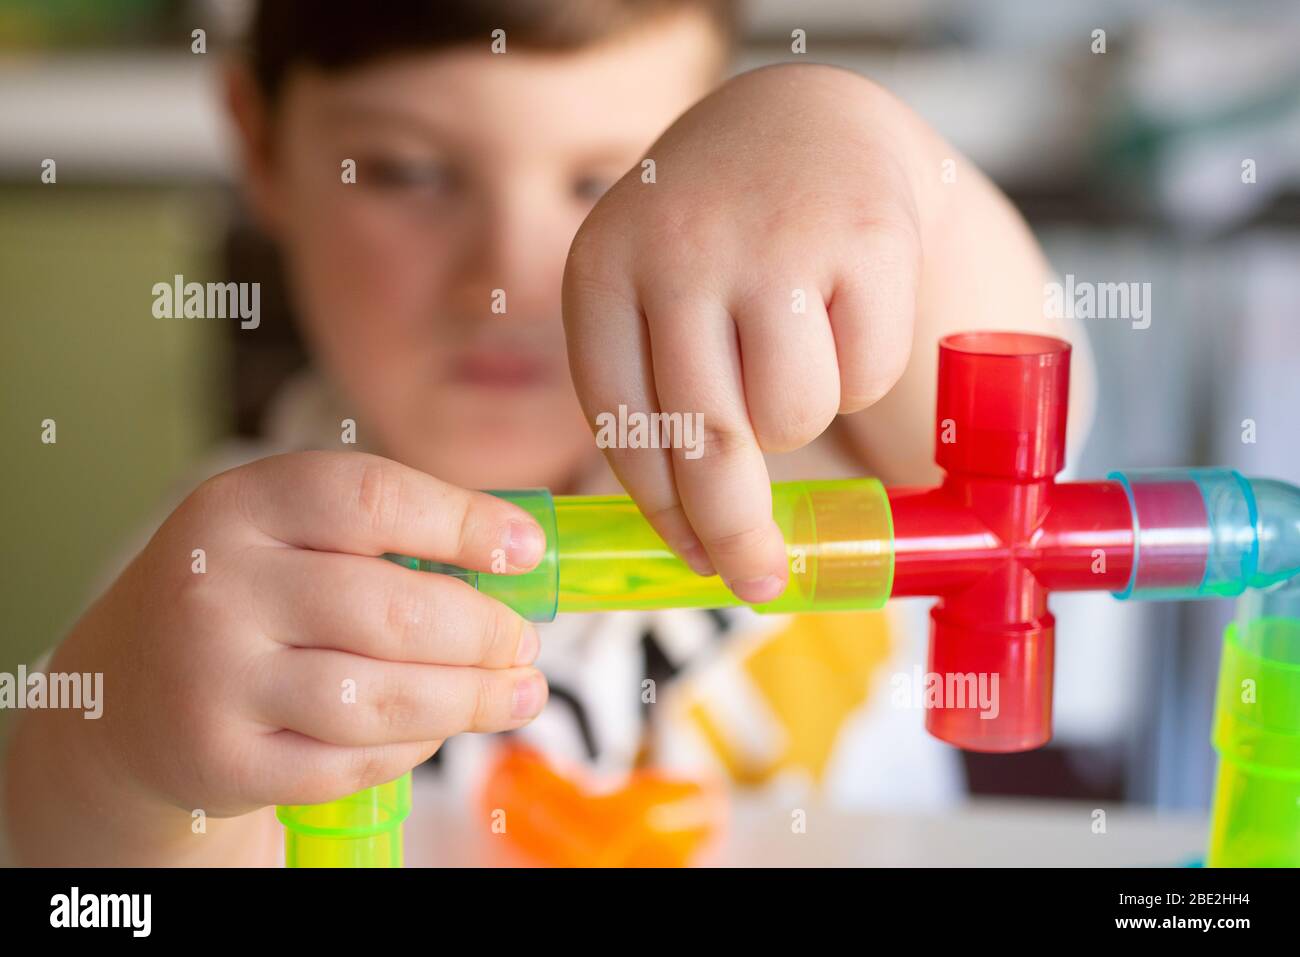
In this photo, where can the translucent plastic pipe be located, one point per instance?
(1171, 534)
(361, 830)
(1256, 811)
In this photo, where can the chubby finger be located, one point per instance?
(610, 361)
(375, 608)
(724, 489)
(368, 505)
(792, 380)
(294, 769)
(347, 699)
(872, 314)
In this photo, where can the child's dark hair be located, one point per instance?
(330, 36)
(335, 36)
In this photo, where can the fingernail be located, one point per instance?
(529, 646)
(698, 559)
(759, 590)
(524, 544)
(528, 697)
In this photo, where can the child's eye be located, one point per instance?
(399, 174)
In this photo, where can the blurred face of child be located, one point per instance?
(473, 172)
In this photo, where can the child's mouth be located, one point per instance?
(499, 371)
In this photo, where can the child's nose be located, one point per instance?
(514, 262)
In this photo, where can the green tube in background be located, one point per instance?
(1255, 820)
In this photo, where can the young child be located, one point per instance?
(782, 259)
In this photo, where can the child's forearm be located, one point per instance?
(70, 802)
(981, 269)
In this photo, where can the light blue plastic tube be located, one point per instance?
(1208, 533)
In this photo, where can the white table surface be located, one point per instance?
(990, 833)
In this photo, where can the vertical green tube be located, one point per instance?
(1256, 814)
(362, 830)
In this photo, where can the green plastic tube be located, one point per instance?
(361, 830)
(839, 544)
(1255, 820)
(602, 555)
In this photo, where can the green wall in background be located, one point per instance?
(136, 399)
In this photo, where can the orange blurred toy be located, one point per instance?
(542, 816)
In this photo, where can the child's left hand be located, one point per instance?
(766, 278)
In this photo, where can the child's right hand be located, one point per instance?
(297, 666)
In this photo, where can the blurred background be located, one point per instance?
(1128, 164)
